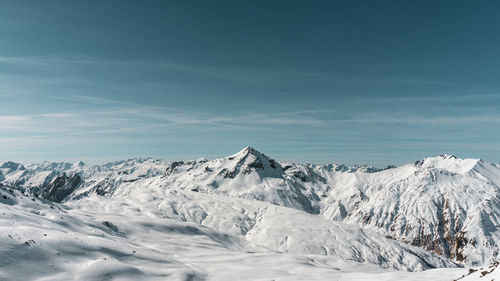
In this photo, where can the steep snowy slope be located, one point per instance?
(442, 204)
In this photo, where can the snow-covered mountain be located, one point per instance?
(436, 212)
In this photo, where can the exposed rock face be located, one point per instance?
(61, 187)
(172, 167)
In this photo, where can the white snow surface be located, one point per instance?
(247, 217)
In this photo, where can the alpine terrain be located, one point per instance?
(249, 217)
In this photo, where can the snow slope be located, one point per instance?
(124, 239)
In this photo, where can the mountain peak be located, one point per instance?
(249, 159)
(248, 150)
(12, 166)
(449, 163)
(448, 156)
(79, 164)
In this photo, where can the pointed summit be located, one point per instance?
(249, 159)
(252, 153)
(246, 151)
(79, 164)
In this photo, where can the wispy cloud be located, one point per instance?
(427, 98)
(436, 120)
(92, 100)
(64, 115)
(214, 71)
(165, 115)
(185, 117)
(13, 118)
(440, 83)
(26, 61)
(71, 114)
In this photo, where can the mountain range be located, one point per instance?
(258, 218)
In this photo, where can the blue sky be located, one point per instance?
(375, 82)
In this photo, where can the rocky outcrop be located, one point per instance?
(61, 187)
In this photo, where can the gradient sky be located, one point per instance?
(368, 82)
